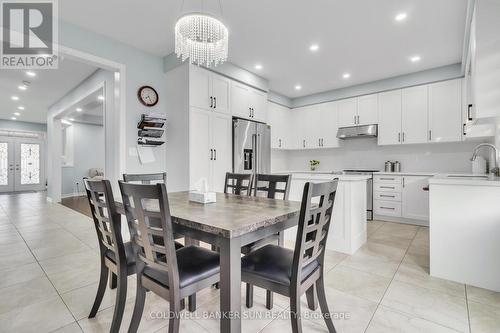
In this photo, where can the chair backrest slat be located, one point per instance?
(146, 178)
(107, 221)
(238, 183)
(270, 185)
(151, 231)
(314, 223)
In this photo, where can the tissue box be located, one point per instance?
(202, 197)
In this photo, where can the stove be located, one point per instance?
(369, 188)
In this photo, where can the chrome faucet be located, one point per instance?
(495, 170)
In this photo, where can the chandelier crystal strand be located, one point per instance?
(201, 38)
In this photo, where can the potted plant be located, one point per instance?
(313, 164)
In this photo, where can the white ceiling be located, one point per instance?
(44, 90)
(92, 110)
(356, 36)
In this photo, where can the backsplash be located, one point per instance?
(366, 154)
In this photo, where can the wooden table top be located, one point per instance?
(231, 216)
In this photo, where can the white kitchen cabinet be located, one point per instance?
(210, 151)
(415, 201)
(279, 119)
(208, 90)
(311, 119)
(348, 112)
(367, 110)
(445, 111)
(328, 125)
(389, 118)
(248, 103)
(414, 119)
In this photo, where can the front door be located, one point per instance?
(21, 165)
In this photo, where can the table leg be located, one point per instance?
(230, 285)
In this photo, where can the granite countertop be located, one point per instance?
(464, 179)
(328, 174)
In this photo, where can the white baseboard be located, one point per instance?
(74, 194)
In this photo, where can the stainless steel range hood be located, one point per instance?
(364, 131)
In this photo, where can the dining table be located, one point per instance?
(229, 223)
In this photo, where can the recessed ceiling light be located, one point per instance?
(415, 58)
(100, 97)
(314, 47)
(17, 114)
(298, 87)
(22, 87)
(72, 119)
(14, 98)
(13, 118)
(346, 75)
(79, 109)
(400, 17)
(31, 74)
(258, 66)
(20, 107)
(64, 121)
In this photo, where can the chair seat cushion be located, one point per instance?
(273, 263)
(195, 264)
(129, 253)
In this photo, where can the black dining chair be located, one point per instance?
(156, 178)
(117, 257)
(238, 183)
(271, 187)
(171, 274)
(293, 273)
(146, 178)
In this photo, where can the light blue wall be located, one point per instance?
(22, 126)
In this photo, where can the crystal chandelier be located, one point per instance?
(201, 38)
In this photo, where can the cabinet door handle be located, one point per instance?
(319, 142)
(215, 154)
(387, 196)
(358, 119)
(211, 102)
(250, 112)
(430, 135)
(403, 181)
(253, 113)
(399, 137)
(279, 143)
(354, 120)
(387, 179)
(390, 187)
(463, 129)
(211, 154)
(391, 208)
(215, 102)
(469, 112)
(403, 136)
(304, 143)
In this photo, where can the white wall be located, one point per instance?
(364, 153)
(22, 126)
(88, 152)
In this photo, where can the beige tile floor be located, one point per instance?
(49, 268)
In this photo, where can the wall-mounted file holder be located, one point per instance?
(151, 129)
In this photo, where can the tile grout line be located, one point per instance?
(392, 279)
(468, 310)
(46, 275)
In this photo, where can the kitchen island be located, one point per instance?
(348, 226)
(465, 229)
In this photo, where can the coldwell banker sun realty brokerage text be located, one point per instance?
(29, 34)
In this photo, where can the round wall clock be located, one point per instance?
(147, 96)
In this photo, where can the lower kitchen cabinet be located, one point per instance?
(210, 148)
(401, 198)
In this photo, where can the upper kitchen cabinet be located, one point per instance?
(485, 56)
(414, 118)
(208, 90)
(328, 125)
(248, 103)
(279, 119)
(389, 117)
(367, 110)
(348, 112)
(445, 111)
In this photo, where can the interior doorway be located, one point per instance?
(22, 162)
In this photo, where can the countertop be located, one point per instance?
(464, 179)
(328, 174)
(430, 174)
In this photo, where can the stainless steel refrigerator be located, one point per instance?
(251, 147)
